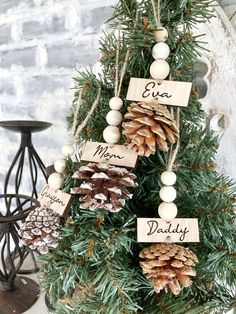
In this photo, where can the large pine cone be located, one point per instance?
(41, 229)
(167, 265)
(150, 128)
(104, 186)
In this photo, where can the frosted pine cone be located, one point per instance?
(151, 128)
(40, 229)
(104, 186)
(167, 265)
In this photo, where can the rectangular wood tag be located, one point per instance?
(171, 93)
(57, 200)
(176, 230)
(102, 152)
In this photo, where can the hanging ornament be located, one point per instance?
(104, 186)
(40, 231)
(168, 266)
(151, 128)
(167, 228)
(55, 180)
(158, 89)
(110, 152)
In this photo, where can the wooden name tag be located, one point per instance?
(57, 200)
(117, 155)
(176, 230)
(167, 93)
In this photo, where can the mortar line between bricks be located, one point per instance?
(48, 39)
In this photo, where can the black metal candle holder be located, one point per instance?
(25, 152)
(26, 155)
(17, 294)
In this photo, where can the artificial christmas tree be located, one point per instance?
(96, 267)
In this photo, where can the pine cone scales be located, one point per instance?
(167, 265)
(151, 127)
(104, 186)
(40, 229)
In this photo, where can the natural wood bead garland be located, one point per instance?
(167, 210)
(111, 133)
(160, 69)
(55, 179)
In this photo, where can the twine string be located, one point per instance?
(173, 153)
(76, 132)
(117, 63)
(123, 70)
(77, 108)
(126, 60)
(157, 12)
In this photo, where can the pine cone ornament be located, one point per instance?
(41, 229)
(104, 186)
(151, 128)
(167, 265)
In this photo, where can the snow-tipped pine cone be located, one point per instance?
(40, 229)
(104, 187)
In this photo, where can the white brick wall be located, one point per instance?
(41, 44)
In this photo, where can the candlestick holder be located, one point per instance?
(26, 157)
(17, 294)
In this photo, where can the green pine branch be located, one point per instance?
(96, 268)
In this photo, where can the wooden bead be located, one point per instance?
(160, 51)
(167, 211)
(116, 103)
(114, 117)
(168, 178)
(60, 165)
(159, 69)
(111, 134)
(167, 194)
(55, 181)
(161, 34)
(67, 150)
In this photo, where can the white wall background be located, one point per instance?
(42, 42)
